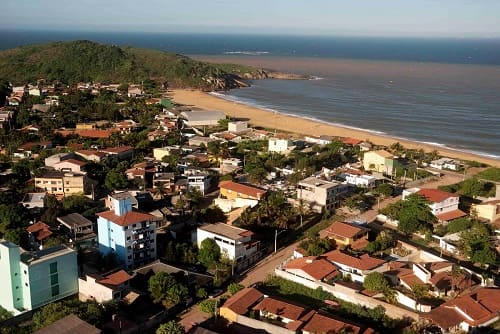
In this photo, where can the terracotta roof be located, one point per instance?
(344, 230)
(447, 216)
(364, 262)
(117, 150)
(410, 279)
(70, 324)
(126, 219)
(351, 141)
(242, 189)
(87, 133)
(38, 226)
(433, 266)
(444, 281)
(480, 306)
(316, 268)
(74, 161)
(435, 195)
(280, 308)
(116, 278)
(241, 301)
(91, 152)
(320, 324)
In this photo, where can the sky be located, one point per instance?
(392, 18)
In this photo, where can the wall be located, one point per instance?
(89, 289)
(257, 324)
(10, 271)
(350, 295)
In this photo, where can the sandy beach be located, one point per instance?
(270, 120)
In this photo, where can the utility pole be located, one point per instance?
(275, 240)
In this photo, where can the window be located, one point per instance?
(55, 290)
(54, 279)
(53, 267)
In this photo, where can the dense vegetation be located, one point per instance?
(76, 61)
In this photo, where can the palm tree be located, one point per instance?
(301, 210)
(160, 190)
(390, 296)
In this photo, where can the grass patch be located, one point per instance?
(492, 174)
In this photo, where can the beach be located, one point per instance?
(269, 120)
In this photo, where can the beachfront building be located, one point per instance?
(33, 279)
(235, 243)
(321, 194)
(445, 163)
(360, 179)
(128, 233)
(280, 145)
(237, 126)
(380, 161)
(202, 118)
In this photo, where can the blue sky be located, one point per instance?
(422, 18)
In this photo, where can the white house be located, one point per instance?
(237, 126)
(360, 180)
(356, 267)
(234, 242)
(198, 179)
(103, 288)
(440, 202)
(202, 118)
(279, 145)
(445, 163)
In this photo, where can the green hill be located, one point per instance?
(78, 61)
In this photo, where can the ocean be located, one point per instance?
(440, 91)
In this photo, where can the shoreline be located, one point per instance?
(304, 126)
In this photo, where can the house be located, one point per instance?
(202, 118)
(166, 180)
(33, 200)
(444, 205)
(92, 155)
(134, 91)
(280, 145)
(234, 242)
(128, 233)
(476, 309)
(63, 183)
(86, 126)
(57, 158)
(126, 126)
(320, 140)
(360, 179)
(38, 233)
(157, 135)
(292, 316)
(233, 190)
(159, 153)
(489, 210)
(104, 288)
(77, 227)
(346, 234)
(312, 268)
(240, 303)
(321, 194)
(33, 279)
(445, 163)
(71, 165)
(84, 133)
(320, 324)
(198, 179)
(355, 267)
(70, 324)
(199, 141)
(380, 161)
(120, 152)
(237, 126)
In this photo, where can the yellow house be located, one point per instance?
(233, 190)
(86, 126)
(159, 153)
(489, 211)
(346, 234)
(379, 161)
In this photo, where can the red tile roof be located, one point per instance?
(320, 324)
(435, 195)
(115, 279)
(126, 219)
(351, 141)
(241, 301)
(280, 308)
(344, 230)
(117, 150)
(364, 262)
(40, 230)
(316, 268)
(87, 133)
(242, 189)
(91, 152)
(447, 216)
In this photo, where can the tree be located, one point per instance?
(201, 293)
(234, 287)
(459, 225)
(170, 327)
(419, 292)
(212, 215)
(471, 187)
(166, 290)
(209, 252)
(414, 214)
(4, 314)
(115, 179)
(315, 246)
(49, 314)
(208, 306)
(376, 281)
(475, 244)
(384, 189)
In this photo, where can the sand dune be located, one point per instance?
(270, 120)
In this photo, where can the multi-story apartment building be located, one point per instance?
(128, 233)
(33, 279)
(62, 184)
(321, 194)
(198, 179)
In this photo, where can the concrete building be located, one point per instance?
(360, 179)
(128, 233)
(202, 118)
(444, 205)
(489, 210)
(380, 161)
(33, 279)
(321, 194)
(159, 153)
(279, 145)
(355, 267)
(237, 127)
(71, 165)
(445, 163)
(198, 179)
(57, 158)
(63, 183)
(234, 242)
(104, 288)
(233, 190)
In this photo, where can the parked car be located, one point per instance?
(215, 293)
